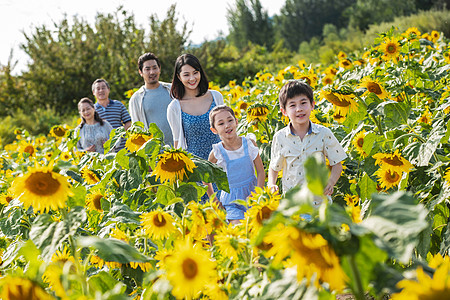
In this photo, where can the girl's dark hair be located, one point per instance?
(178, 89)
(96, 115)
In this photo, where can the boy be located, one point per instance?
(300, 139)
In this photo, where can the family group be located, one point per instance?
(194, 118)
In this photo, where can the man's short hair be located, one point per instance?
(147, 56)
(100, 80)
(292, 89)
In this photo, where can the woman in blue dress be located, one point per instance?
(188, 113)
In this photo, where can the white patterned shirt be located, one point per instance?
(289, 152)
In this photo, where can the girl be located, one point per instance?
(93, 130)
(188, 113)
(239, 157)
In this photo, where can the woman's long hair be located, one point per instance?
(96, 115)
(178, 89)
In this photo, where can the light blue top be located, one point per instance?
(155, 109)
(241, 179)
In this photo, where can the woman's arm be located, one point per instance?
(260, 173)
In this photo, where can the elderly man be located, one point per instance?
(111, 110)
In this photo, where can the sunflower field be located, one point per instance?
(129, 225)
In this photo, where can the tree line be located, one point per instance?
(68, 56)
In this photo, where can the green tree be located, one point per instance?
(11, 88)
(248, 22)
(366, 12)
(300, 20)
(67, 58)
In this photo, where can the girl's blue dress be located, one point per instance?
(241, 179)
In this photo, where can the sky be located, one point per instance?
(206, 18)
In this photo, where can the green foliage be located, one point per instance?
(248, 22)
(67, 57)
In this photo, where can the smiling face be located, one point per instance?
(225, 124)
(298, 109)
(190, 77)
(101, 91)
(86, 111)
(150, 72)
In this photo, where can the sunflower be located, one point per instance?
(215, 291)
(99, 263)
(257, 112)
(189, 270)
(136, 140)
(341, 55)
(65, 156)
(330, 71)
(145, 267)
(345, 63)
(215, 219)
(118, 234)
(42, 189)
(172, 165)
(435, 36)
(161, 255)
(358, 143)
(327, 80)
(58, 131)
(343, 103)
(230, 241)
(157, 224)
(373, 86)
(393, 162)
(309, 252)
(93, 201)
(89, 176)
(263, 203)
(412, 32)
(242, 105)
(20, 288)
(5, 198)
(338, 117)
(27, 147)
(351, 200)
(197, 228)
(426, 117)
(388, 178)
(426, 287)
(390, 48)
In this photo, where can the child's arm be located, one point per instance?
(336, 171)
(210, 190)
(272, 180)
(260, 173)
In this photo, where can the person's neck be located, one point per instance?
(103, 102)
(300, 129)
(190, 94)
(232, 143)
(90, 121)
(152, 86)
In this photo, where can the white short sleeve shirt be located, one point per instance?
(289, 152)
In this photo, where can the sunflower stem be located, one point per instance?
(374, 120)
(359, 293)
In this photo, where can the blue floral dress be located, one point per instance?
(199, 137)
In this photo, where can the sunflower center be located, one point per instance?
(159, 220)
(263, 214)
(172, 165)
(42, 184)
(308, 80)
(58, 131)
(139, 141)
(394, 161)
(392, 177)
(8, 199)
(190, 268)
(374, 88)
(360, 142)
(391, 48)
(96, 202)
(258, 112)
(29, 149)
(337, 100)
